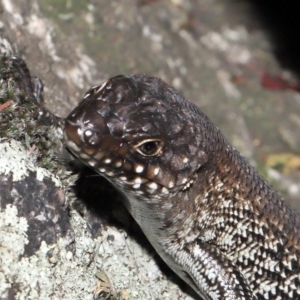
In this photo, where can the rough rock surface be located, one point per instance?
(54, 246)
(50, 247)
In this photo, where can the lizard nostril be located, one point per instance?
(90, 137)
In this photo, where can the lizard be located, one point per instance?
(212, 218)
(209, 214)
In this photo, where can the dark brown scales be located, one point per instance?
(206, 211)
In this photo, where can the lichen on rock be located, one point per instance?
(49, 249)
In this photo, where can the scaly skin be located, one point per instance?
(205, 210)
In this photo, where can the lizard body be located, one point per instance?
(206, 211)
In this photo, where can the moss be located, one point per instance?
(23, 120)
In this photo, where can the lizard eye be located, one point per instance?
(150, 147)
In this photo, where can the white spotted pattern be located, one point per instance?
(139, 169)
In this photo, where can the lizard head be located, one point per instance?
(139, 133)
